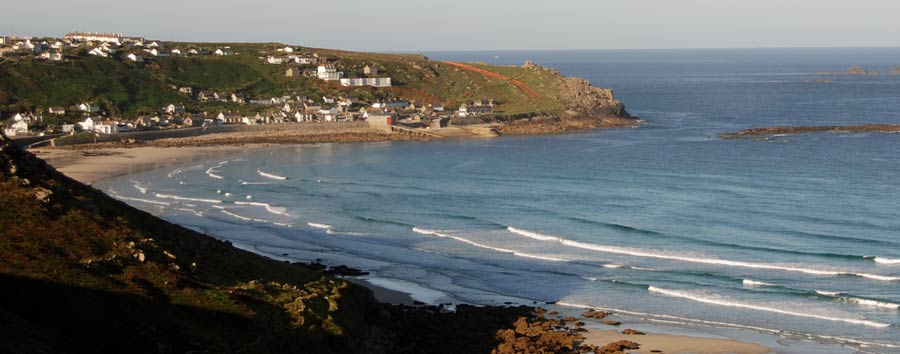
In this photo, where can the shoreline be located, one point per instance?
(89, 166)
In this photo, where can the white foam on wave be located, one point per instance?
(114, 195)
(828, 293)
(613, 266)
(319, 226)
(271, 209)
(213, 175)
(197, 213)
(225, 211)
(254, 183)
(479, 245)
(882, 260)
(873, 303)
(346, 233)
(175, 197)
(712, 261)
(859, 301)
(415, 291)
(137, 185)
(681, 320)
(754, 283)
(733, 303)
(269, 175)
(694, 321)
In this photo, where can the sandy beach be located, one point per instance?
(666, 343)
(89, 166)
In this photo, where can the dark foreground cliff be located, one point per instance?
(82, 272)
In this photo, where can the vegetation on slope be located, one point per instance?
(128, 89)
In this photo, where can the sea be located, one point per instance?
(796, 236)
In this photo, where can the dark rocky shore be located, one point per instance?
(759, 133)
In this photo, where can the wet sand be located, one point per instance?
(672, 344)
(89, 166)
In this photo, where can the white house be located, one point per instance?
(52, 55)
(370, 70)
(288, 50)
(134, 57)
(224, 51)
(274, 60)
(19, 127)
(106, 129)
(328, 73)
(68, 128)
(87, 124)
(153, 45)
(89, 108)
(98, 52)
(176, 51)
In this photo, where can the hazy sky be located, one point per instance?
(418, 25)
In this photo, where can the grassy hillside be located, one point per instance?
(84, 272)
(128, 89)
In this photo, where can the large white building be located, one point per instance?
(328, 73)
(94, 36)
(367, 81)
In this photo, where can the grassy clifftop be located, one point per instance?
(126, 89)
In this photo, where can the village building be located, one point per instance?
(370, 70)
(88, 108)
(328, 73)
(56, 110)
(94, 37)
(86, 125)
(367, 81)
(466, 110)
(224, 51)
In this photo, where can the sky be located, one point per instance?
(423, 25)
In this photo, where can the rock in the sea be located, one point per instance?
(612, 323)
(633, 332)
(595, 314)
(858, 70)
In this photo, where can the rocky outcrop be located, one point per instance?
(858, 70)
(582, 97)
(792, 130)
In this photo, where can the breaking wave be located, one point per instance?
(175, 197)
(269, 175)
(267, 206)
(319, 226)
(480, 245)
(882, 260)
(754, 283)
(734, 303)
(711, 261)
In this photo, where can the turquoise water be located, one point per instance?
(797, 235)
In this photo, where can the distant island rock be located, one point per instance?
(858, 70)
(763, 133)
